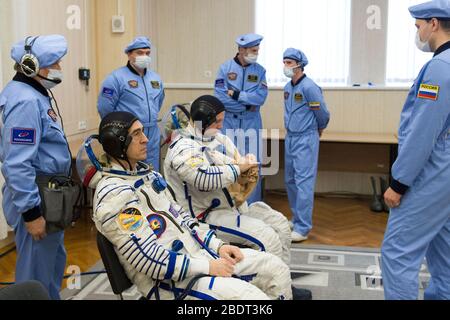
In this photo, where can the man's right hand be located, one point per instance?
(248, 162)
(36, 228)
(220, 268)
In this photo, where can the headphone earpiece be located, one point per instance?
(112, 143)
(29, 64)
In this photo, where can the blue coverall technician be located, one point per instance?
(241, 86)
(305, 117)
(138, 90)
(419, 196)
(32, 144)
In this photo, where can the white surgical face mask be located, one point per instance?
(251, 58)
(423, 45)
(53, 74)
(289, 72)
(143, 62)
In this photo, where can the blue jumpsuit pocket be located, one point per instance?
(447, 142)
(132, 97)
(296, 118)
(155, 94)
(54, 133)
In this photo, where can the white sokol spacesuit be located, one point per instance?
(201, 169)
(162, 248)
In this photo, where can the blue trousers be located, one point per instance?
(419, 228)
(301, 161)
(43, 261)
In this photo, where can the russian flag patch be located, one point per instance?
(429, 92)
(314, 105)
(23, 136)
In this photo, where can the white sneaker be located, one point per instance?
(291, 225)
(297, 237)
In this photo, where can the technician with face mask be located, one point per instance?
(32, 144)
(305, 117)
(419, 196)
(138, 90)
(241, 86)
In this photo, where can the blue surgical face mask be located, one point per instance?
(143, 62)
(251, 58)
(53, 74)
(289, 72)
(422, 45)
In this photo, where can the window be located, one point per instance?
(404, 60)
(320, 28)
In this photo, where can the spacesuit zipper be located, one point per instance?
(147, 198)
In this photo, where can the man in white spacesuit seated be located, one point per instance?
(161, 247)
(213, 179)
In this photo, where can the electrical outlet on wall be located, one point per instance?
(208, 74)
(82, 125)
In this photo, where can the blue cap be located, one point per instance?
(296, 55)
(139, 43)
(47, 49)
(249, 40)
(439, 9)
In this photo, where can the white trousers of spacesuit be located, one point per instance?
(257, 226)
(259, 276)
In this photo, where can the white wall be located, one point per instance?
(191, 38)
(27, 17)
(194, 36)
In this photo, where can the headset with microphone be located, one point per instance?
(29, 64)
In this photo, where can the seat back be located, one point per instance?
(116, 274)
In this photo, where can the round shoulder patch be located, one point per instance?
(130, 219)
(157, 224)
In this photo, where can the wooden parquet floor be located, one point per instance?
(81, 248)
(337, 222)
(340, 221)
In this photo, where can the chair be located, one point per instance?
(116, 274)
(30, 290)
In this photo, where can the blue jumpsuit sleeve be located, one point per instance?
(108, 96)
(17, 168)
(257, 97)
(317, 105)
(221, 93)
(426, 124)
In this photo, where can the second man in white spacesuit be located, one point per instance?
(209, 176)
